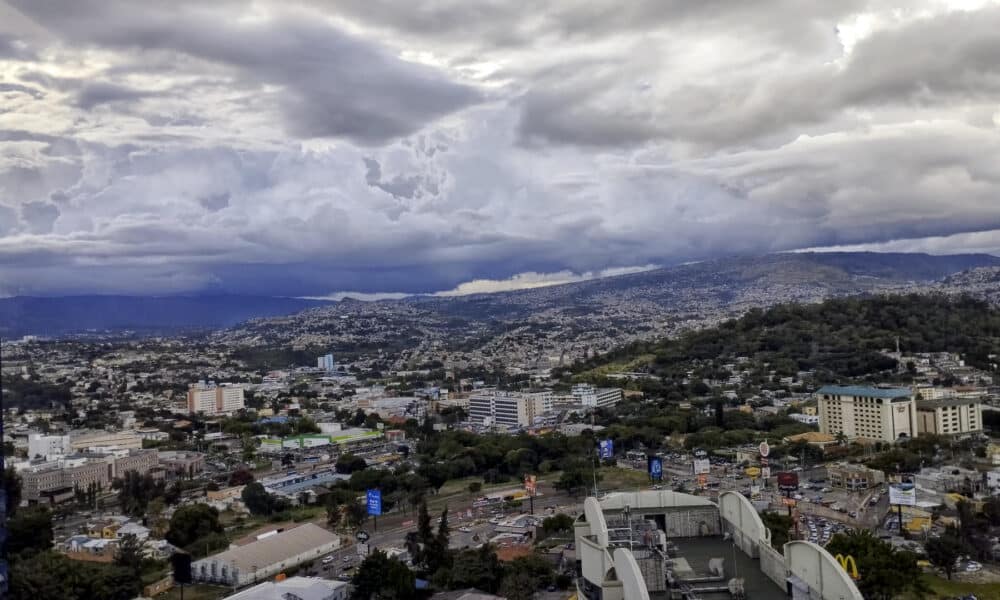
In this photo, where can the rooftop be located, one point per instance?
(276, 548)
(866, 391)
(304, 588)
(941, 402)
(811, 437)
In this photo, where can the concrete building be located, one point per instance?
(509, 409)
(51, 482)
(266, 557)
(804, 418)
(949, 416)
(182, 464)
(594, 397)
(326, 363)
(885, 414)
(48, 447)
(211, 399)
(854, 477)
(297, 588)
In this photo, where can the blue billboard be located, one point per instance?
(655, 468)
(374, 502)
(607, 449)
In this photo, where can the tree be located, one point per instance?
(355, 514)
(475, 487)
(778, 524)
(259, 502)
(240, 477)
(190, 523)
(518, 585)
(349, 463)
(29, 531)
(129, 554)
(943, 551)
(884, 571)
(440, 556)
(383, 578)
(12, 484)
(479, 568)
(557, 524)
(52, 575)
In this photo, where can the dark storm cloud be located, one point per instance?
(95, 94)
(39, 217)
(23, 89)
(215, 201)
(334, 85)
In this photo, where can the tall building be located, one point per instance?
(949, 416)
(211, 399)
(326, 363)
(885, 414)
(588, 395)
(48, 447)
(510, 409)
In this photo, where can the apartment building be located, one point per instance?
(43, 482)
(949, 416)
(885, 414)
(48, 447)
(510, 409)
(588, 395)
(92, 440)
(211, 399)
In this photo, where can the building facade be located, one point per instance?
(90, 440)
(326, 362)
(949, 416)
(509, 409)
(211, 399)
(885, 414)
(48, 447)
(854, 477)
(594, 397)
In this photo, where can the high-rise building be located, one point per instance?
(885, 414)
(949, 416)
(326, 363)
(211, 399)
(588, 395)
(510, 409)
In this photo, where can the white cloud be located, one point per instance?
(530, 280)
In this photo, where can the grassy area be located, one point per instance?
(942, 588)
(614, 478)
(196, 592)
(627, 366)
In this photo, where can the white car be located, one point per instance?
(465, 529)
(327, 560)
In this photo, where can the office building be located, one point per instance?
(265, 557)
(326, 363)
(804, 418)
(949, 416)
(54, 481)
(509, 409)
(884, 414)
(594, 397)
(854, 477)
(98, 441)
(211, 399)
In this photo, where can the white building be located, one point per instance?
(91, 440)
(211, 399)
(49, 447)
(299, 588)
(807, 419)
(510, 409)
(326, 363)
(588, 395)
(885, 414)
(949, 416)
(266, 557)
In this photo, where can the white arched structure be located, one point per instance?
(744, 522)
(595, 517)
(633, 584)
(818, 569)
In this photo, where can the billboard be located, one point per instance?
(788, 482)
(374, 498)
(607, 449)
(530, 484)
(764, 449)
(702, 465)
(752, 472)
(655, 468)
(903, 493)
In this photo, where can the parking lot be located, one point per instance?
(819, 530)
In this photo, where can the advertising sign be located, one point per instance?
(788, 482)
(702, 480)
(374, 502)
(530, 484)
(655, 468)
(752, 472)
(903, 493)
(764, 449)
(702, 465)
(765, 472)
(607, 449)
(788, 501)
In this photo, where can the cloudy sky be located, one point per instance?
(307, 147)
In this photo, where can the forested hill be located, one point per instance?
(839, 338)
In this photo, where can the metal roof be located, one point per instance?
(306, 588)
(274, 549)
(865, 391)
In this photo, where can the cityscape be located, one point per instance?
(437, 300)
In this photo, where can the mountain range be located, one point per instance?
(729, 285)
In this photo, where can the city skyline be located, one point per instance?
(311, 149)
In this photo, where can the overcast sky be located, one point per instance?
(305, 147)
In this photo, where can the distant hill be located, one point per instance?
(26, 315)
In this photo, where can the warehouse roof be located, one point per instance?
(305, 588)
(276, 548)
(865, 391)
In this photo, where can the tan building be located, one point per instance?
(47, 481)
(886, 414)
(949, 416)
(83, 441)
(211, 399)
(510, 409)
(854, 477)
